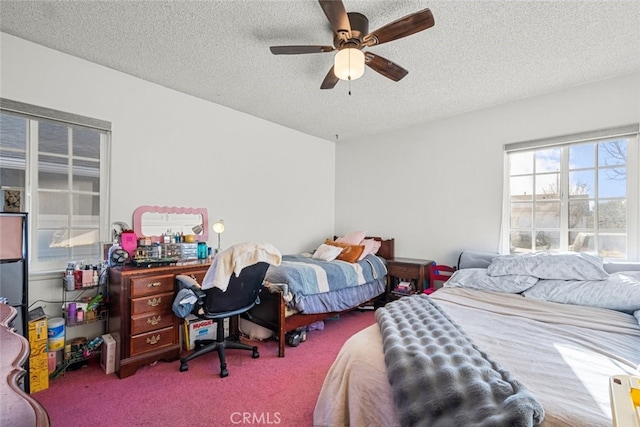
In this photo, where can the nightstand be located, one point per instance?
(409, 271)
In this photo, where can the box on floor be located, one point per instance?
(200, 329)
(38, 354)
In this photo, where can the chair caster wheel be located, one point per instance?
(184, 367)
(255, 354)
(224, 373)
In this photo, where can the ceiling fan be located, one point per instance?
(351, 35)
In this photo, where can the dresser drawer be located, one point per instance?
(142, 286)
(151, 341)
(404, 271)
(149, 321)
(159, 303)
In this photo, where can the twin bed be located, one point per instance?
(506, 342)
(304, 290)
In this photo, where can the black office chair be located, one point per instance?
(214, 304)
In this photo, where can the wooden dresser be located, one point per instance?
(17, 408)
(140, 316)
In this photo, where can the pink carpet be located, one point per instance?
(264, 391)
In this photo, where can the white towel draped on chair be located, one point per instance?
(234, 259)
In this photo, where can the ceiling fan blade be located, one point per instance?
(384, 66)
(403, 27)
(337, 16)
(330, 80)
(294, 50)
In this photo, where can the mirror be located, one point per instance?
(154, 221)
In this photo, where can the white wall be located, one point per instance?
(177, 150)
(268, 183)
(437, 188)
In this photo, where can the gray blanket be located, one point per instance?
(439, 377)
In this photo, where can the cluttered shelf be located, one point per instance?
(77, 353)
(85, 302)
(78, 308)
(91, 316)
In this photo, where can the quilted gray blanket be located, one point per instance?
(440, 378)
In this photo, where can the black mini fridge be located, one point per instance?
(14, 274)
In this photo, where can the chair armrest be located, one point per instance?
(187, 281)
(202, 295)
(198, 307)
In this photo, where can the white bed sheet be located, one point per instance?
(564, 354)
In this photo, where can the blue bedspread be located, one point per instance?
(304, 276)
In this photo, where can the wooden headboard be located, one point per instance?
(387, 246)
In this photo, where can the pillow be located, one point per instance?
(371, 246)
(615, 267)
(326, 252)
(353, 238)
(620, 291)
(544, 265)
(350, 253)
(478, 278)
(475, 259)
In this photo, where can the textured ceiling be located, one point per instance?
(479, 53)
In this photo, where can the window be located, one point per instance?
(56, 165)
(576, 193)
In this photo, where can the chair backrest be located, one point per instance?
(439, 273)
(241, 293)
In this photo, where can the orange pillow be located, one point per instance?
(350, 253)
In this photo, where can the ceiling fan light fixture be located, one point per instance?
(349, 64)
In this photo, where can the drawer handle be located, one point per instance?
(153, 302)
(153, 340)
(154, 285)
(154, 320)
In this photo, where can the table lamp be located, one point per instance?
(218, 227)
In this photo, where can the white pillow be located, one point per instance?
(620, 291)
(352, 238)
(544, 265)
(478, 278)
(371, 246)
(326, 252)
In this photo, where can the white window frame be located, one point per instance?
(34, 114)
(633, 183)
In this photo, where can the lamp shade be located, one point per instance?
(349, 64)
(218, 227)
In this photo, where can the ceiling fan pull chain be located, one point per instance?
(349, 76)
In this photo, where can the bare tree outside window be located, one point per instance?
(579, 200)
